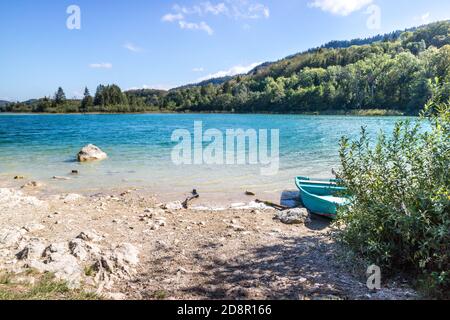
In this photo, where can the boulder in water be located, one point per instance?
(91, 153)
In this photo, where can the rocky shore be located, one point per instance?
(127, 245)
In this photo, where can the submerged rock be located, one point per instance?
(61, 178)
(293, 216)
(32, 184)
(91, 153)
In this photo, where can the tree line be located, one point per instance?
(392, 74)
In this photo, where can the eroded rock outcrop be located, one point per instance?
(69, 261)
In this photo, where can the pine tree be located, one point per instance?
(60, 96)
(87, 101)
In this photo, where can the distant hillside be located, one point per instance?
(214, 81)
(389, 73)
(3, 103)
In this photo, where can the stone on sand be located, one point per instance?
(293, 216)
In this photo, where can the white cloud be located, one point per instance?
(203, 26)
(239, 69)
(340, 7)
(235, 9)
(217, 9)
(170, 17)
(252, 11)
(132, 47)
(103, 65)
(201, 69)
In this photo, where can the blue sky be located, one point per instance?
(162, 44)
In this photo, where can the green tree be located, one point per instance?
(60, 96)
(87, 101)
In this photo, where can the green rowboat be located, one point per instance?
(321, 196)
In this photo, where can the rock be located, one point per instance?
(32, 185)
(63, 265)
(90, 236)
(74, 172)
(71, 197)
(61, 178)
(153, 226)
(77, 249)
(83, 250)
(33, 250)
(60, 248)
(10, 198)
(10, 237)
(293, 216)
(91, 153)
(160, 222)
(173, 206)
(19, 177)
(249, 193)
(126, 253)
(32, 227)
(236, 228)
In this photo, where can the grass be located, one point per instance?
(45, 288)
(160, 295)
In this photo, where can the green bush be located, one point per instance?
(399, 216)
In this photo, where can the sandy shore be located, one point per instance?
(126, 244)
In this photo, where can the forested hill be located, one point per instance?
(390, 73)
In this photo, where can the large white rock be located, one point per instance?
(11, 236)
(293, 216)
(63, 265)
(90, 236)
(91, 153)
(176, 205)
(32, 251)
(127, 253)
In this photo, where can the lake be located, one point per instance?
(140, 148)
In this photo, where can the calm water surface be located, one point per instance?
(139, 148)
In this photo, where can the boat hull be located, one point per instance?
(321, 197)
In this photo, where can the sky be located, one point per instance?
(163, 44)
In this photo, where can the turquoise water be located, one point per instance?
(139, 148)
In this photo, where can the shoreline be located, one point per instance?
(356, 113)
(213, 200)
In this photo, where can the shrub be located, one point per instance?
(399, 216)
